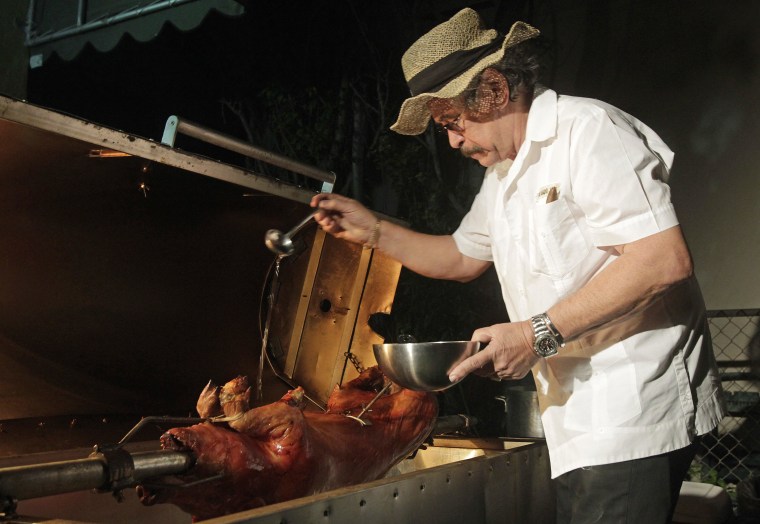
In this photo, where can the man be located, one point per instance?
(576, 216)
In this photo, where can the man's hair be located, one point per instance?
(522, 66)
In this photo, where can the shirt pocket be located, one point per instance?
(557, 243)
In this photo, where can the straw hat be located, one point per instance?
(443, 62)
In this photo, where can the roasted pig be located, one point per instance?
(280, 451)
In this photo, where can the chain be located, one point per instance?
(355, 361)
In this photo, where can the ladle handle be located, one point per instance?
(302, 223)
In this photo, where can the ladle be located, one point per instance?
(282, 243)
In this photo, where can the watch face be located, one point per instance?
(546, 345)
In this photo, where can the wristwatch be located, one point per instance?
(547, 339)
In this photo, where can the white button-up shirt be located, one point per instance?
(642, 387)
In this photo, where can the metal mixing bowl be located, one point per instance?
(423, 366)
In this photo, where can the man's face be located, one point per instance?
(472, 132)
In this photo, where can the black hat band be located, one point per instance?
(440, 73)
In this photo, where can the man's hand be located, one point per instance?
(343, 217)
(508, 355)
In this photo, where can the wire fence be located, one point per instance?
(731, 453)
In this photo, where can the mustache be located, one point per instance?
(467, 152)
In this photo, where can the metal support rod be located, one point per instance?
(244, 148)
(82, 13)
(153, 420)
(55, 478)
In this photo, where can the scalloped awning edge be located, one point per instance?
(143, 24)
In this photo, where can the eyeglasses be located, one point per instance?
(452, 126)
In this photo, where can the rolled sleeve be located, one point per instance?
(620, 179)
(635, 227)
(472, 237)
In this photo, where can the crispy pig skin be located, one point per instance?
(279, 452)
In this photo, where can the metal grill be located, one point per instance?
(731, 453)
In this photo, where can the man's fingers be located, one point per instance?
(327, 205)
(477, 361)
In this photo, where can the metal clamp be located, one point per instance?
(119, 466)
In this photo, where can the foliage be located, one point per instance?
(701, 472)
(298, 123)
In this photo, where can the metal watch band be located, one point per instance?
(540, 327)
(545, 344)
(550, 325)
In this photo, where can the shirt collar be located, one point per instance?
(542, 117)
(542, 125)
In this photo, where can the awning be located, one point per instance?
(65, 27)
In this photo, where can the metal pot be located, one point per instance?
(522, 417)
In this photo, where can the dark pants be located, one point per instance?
(632, 492)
